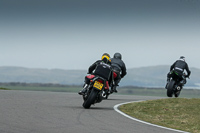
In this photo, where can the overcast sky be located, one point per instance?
(72, 34)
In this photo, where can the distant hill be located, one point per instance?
(35, 75)
(153, 76)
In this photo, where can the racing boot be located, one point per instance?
(114, 89)
(168, 79)
(84, 90)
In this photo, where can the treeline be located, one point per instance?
(34, 84)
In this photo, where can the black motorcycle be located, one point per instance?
(175, 85)
(97, 90)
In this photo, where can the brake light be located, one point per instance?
(100, 81)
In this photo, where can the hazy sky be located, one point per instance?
(72, 34)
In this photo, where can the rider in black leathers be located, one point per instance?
(179, 66)
(105, 60)
(119, 68)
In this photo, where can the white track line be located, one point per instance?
(116, 109)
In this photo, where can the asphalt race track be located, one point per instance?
(61, 112)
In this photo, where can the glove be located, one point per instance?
(88, 72)
(187, 76)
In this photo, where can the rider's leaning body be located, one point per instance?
(105, 60)
(178, 68)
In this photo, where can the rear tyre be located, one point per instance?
(91, 99)
(170, 88)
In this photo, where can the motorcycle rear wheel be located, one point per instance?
(170, 88)
(91, 99)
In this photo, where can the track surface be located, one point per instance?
(59, 112)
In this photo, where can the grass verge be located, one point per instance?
(44, 88)
(4, 88)
(177, 113)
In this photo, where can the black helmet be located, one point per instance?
(118, 56)
(182, 58)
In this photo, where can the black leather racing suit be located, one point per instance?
(93, 67)
(179, 66)
(119, 68)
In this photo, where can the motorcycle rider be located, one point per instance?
(178, 67)
(94, 69)
(119, 68)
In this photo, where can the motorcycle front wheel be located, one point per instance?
(91, 99)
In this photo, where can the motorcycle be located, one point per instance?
(175, 85)
(97, 90)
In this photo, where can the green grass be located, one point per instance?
(40, 88)
(4, 88)
(177, 113)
